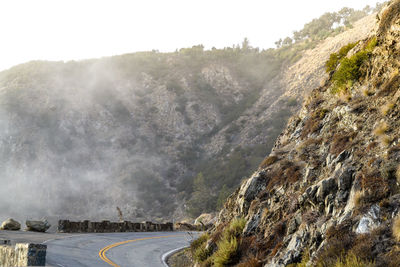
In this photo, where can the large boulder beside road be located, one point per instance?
(10, 224)
(37, 226)
(206, 221)
(183, 226)
(206, 218)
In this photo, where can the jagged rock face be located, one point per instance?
(332, 184)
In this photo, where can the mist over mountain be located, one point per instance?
(121, 131)
(160, 135)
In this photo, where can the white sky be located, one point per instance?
(78, 29)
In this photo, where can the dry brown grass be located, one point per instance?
(276, 249)
(385, 109)
(268, 161)
(308, 146)
(275, 237)
(310, 216)
(345, 96)
(387, 16)
(358, 196)
(339, 238)
(367, 92)
(314, 101)
(217, 234)
(363, 246)
(286, 173)
(313, 124)
(374, 186)
(341, 141)
(396, 228)
(248, 247)
(398, 175)
(251, 262)
(381, 129)
(371, 161)
(371, 146)
(391, 85)
(392, 258)
(386, 140)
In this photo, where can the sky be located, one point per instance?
(80, 29)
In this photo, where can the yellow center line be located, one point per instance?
(102, 252)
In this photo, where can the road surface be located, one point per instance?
(137, 249)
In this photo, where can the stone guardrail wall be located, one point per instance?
(66, 226)
(22, 255)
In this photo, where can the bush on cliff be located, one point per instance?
(349, 69)
(335, 58)
(225, 248)
(198, 248)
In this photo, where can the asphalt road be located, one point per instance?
(138, 249)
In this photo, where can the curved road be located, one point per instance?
(137, 249)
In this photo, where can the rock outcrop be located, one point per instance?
(10, 224)
(206, 219)
(37, 226)
(184, 226)
(330, 189)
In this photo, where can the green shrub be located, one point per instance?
(351, 260)
(195, 244)
(236, 226)
(227, 250)
(198, 248)
(348, 72)
(371, 45)
(335, 58)
(227, 245)
(349, 69)
(202, 254)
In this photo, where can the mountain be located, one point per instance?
(81, 138)
(329, 192)
(159, 135)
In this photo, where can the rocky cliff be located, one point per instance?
(136, 131)
(329, 192)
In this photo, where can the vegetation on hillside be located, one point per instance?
(225, 253)
(79, 116)
(68, 102)
(348, 68)
(223, 175)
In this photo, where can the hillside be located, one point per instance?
(159, 135)
(329, 192)
(126, 131)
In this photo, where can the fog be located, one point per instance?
(80, 138)
(71, 145)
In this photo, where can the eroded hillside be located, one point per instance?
(329, 192)
(159, 135)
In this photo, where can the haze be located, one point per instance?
(66, 30)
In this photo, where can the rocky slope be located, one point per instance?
(329, 192)
(127, 131)
(295, 83)
(133, 131)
